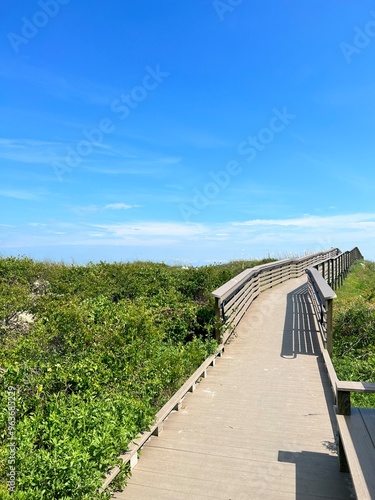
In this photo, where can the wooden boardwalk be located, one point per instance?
(260, 425)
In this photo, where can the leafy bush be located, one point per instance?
(105, 346)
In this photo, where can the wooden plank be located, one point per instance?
(325, 291)
(255, 415)
(154, 492)
(239, 301)
(226, 289)
(131, 454)
(360, 453)
(344, 385)
(331, 371)
(230, 483)
(368, 415)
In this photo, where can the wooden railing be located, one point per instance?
(356, 429)
(173, 404)
(322, 296)
(335, 269)
(232, 301)
(234, 297)
(323, 278)
(228, 298)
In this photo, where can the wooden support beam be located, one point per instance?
(330, 326)
(343, 403)
(343, 462)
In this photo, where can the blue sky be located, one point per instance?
(192, 132)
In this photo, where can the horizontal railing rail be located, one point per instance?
(130, 456)
(234, 297)
(322, 278)
(322, 296)
(355, 429)
(343, 390)
(335, 268)
(232, 300)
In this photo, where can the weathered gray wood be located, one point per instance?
(343, 402)
(331, 373)
(322, 297)
(234, 297)
(368, 415)
(232, 301)
(344, 385)
(329, 334)
(258, 426)
(324, 290)
(218, 320)
(357, 438)
(343, 462)
(359, 449)
(173, 404)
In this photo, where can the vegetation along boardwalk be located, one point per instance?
(261, 424)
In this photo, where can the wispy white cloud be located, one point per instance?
(19, 194)
(119, 206)
(91, 209)
(236, 239)
(311, 221)
(29, 150)
(85, 210)
(154, 229)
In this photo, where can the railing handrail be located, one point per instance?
(227, 288)
(325, 295)
(235, 296)
(324, 291)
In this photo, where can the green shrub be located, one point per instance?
(107, 346)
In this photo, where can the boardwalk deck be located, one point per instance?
(260, 425)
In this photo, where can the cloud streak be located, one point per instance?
(92, 209)
(19, 194)
(184, 240)
(352, 221)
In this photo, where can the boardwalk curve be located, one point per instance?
(260, 425)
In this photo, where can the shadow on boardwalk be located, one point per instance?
(300, 333)
(259, 426)
(300, 337)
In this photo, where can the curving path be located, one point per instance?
(260, 425)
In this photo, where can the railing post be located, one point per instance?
(341, 270)
(343, 403)
(329, 281)
(337, 273)
(218, 320)
(343, 408)
(329, 326)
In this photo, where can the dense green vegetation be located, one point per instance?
(89, 354)
(354, 329)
